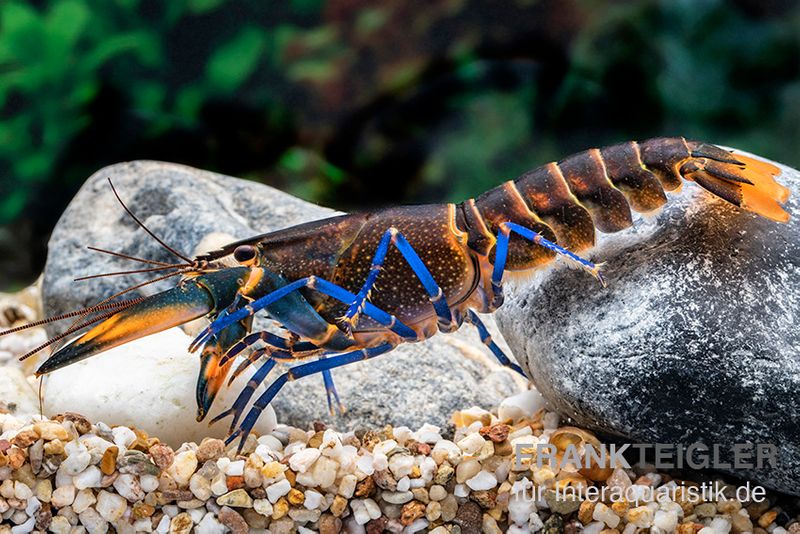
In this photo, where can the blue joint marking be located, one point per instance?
(300, 371)
(486, 338)
(319, 284)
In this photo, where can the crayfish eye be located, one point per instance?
(245, 254)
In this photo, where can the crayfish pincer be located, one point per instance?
(353, 287)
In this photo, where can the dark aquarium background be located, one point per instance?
(357, 104)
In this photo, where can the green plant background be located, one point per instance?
(365, 103)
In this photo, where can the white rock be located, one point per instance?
(234, 469)
(183, 467)
(605, 514)
(110, 506)
(397, 497)
(429, 434)
(385, 447)
(156, 367)
(446, 450)
(14, 387)
(33, 506)
(128, 486)
(77, 460)
(347, 486)
(22, 491)
(218, 485)
(88, 478)
(380, 461)
(209, 525)
(83, 500)
(482, 481)
(197, 514)
(93, 522)
(278, 490)
(123, 436)
(312, 499)
(324, 472)
(404, 484)
(372, 508)
(521, 405)
(200, 487)
(359, 511)
(25, 527)
(63, 496)
(402, 434)
(535, 523)
(416, 526)
(460, 490)
(594, 528)
(401, 465)
(722, 525)
(263, 507)
(302, 460)
(143, 525)
(365, 463)
(148, 483)
(163, 525)
(472, 443)
(667, 521)
(352, 527)
(62, 477)
(60, 525)
(427, 468)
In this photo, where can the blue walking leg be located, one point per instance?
(300, 371)
(330, 391)
(501, 255)
(486, 339)
(393, 237)
(377, 263)
(311, 282)
(443, 312)
(271, 340)
(244, 397)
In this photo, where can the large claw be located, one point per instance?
(213, 375)
(192, 298)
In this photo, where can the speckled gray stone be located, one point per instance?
(412, 385)
(695, 339)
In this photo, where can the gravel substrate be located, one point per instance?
(69, 475)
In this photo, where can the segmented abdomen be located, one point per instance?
(598, 188)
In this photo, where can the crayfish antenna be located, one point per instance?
(145, 228)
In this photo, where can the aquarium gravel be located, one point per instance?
(70, 475)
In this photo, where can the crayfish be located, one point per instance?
(353, 287)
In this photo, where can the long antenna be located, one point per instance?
(134, 258)
(145, 228)
(84, 311)
(121, 273)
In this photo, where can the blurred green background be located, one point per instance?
(356, 103)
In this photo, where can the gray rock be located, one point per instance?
(695, 339)
(414, 384)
